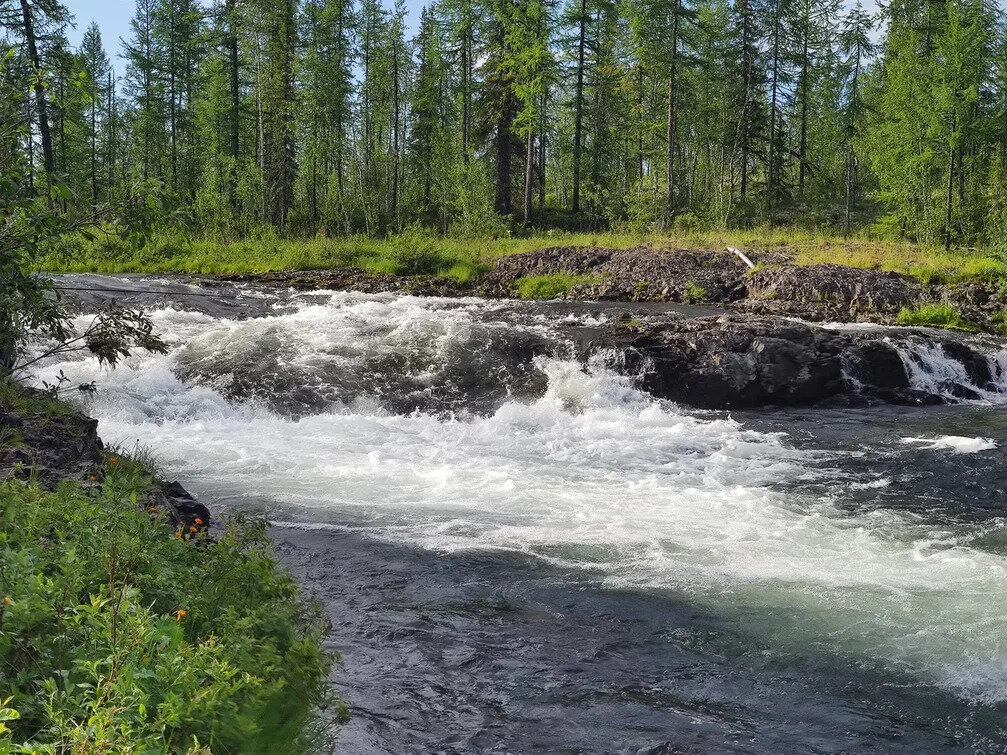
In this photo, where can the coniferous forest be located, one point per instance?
(327, 117)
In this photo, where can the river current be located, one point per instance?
(523, 553)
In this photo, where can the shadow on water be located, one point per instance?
(492, 651)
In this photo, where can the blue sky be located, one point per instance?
(113, 16)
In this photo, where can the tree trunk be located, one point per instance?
(803, 157)
(395, 133)
(771, 165)
(950, 200)
(849, 191)
(578, 127)
(529, 173)
(672, 115)
(48, 158)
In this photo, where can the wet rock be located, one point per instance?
(180, 508)
(742, 361)
(735, 362)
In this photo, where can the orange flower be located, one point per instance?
(92, 478)
(198, 520)
(178, 534)
(180, 613)
(7, 600)
(153, 509)
(194, 530)
(112, 460)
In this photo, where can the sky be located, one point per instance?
(113, 17)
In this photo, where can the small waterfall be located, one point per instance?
(955, 371)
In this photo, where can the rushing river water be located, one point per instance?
(523, 554)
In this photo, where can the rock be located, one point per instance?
(824, 290)
(48, 446)
(741, 361)
(636, 274)
(181, 509)
(736, 362)
(49, 443)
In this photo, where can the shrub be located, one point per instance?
(116, 636)
(694, 294)
(415, 252)
(934, 315)
(550, 286)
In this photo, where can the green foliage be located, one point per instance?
(934, 315)
(694, 294)
(550, 286)
(415, 251)
(117, 636)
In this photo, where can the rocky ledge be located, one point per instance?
(740, 361)
(49, 441)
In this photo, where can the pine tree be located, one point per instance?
(97, 69)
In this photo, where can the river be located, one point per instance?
(522, 553)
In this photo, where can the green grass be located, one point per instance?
(416, 251)
(119, 634)
(550, 286)
(936, 316)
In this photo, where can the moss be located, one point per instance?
(550, 286)
(936, 316)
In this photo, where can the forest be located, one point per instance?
(327, 119)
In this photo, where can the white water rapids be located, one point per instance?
(590, 474)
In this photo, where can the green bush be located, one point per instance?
(119, 635)
(549, 286)
(934, 315)
(415, 252)
(694, 294)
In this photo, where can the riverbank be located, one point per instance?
(796, 275)
(777, 286)
(420, 252)
(125, 618)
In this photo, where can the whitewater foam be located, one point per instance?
(954, 443)
(588, 473)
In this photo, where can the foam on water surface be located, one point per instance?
(576, 466)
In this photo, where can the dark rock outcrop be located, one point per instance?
(738, 361)
(637, 274)
(48, 442)
(48, 445)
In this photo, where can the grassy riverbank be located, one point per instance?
(414, 252)
(118, 631)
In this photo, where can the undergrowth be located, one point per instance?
(118, 634)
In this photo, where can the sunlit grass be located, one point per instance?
(462, 258)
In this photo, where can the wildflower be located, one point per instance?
(180, 613)
(193, 529)
(178, 534)
(92, 478)
(198, 520)
(112, 460)
(153, 509)
(7, 600)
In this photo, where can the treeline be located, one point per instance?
(325, 117)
